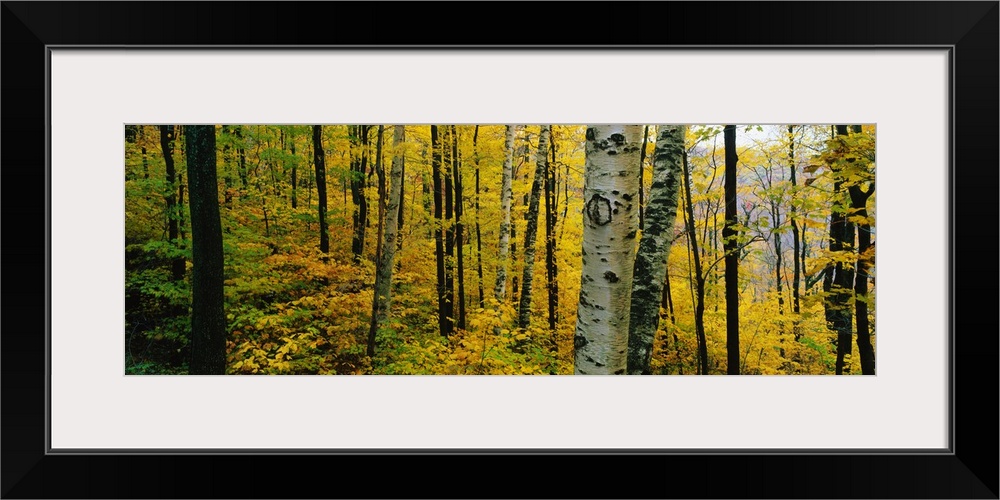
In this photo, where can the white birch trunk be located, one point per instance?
(383, 278)
(610, 224)
(506, 194)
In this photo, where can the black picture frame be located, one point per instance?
(969, 470)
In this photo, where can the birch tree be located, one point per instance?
(531, 228)
(506, 193)
(610, 225)
(654, 246)
(383, 277)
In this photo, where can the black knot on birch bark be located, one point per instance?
(579, 341)
(590, 134)
(611, 276)
(618, 139)
(599, 210)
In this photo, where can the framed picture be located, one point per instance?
(924, 73)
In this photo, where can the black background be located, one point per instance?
(971, 472)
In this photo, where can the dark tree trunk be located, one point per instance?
(173, 210)
(551, 270)
(227, 179)
(531, 230)
(730, 246)
(208, 319)
(318, 158)
(859, 200)
(444, 325)
(699, 310)
(651, 259)
(796, 269)
(402, 197)
(842, 281)
(241, 150)
(449, 232)
(479, 234)
(459, 227)
(359, 138)
(776, 223)
(180, 208)
(295, 173)
(381, 285)
(145, 157)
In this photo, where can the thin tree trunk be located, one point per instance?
(208, 319)
(654, 246)
(295, 176)
(443, 313)
(551, 270)
(506, 194)
(796, 269)
(386, 251)
(609, 228)
(241, 151)
(145, 157)
(318, 158)
(402, 191)
(479, 234)
(776, 223)
(531, 229)
(459, 227)
(360, 214)
(167, 143)
(449, 231)
(227, 180)
(730, 246)
(699, 310)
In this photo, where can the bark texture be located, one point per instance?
(208, 318)
(610, 225)
(531, 229)
(657, 236)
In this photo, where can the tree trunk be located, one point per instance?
(842, 282)
(479, 234)
(551, 269)
(531, 228)
(359, 138)
(506, 194)
(402, 190)
(859, 202)
(318, 158)
(241, 151)
(459, 227)
(730, 246)
(699, 277)
(449, 228)
(654, 246)
(295, 176)
(386, 246)
(796, 269)
(443, 312)
(610, 225)
(208, 319)
(145, 157)
(177, 266)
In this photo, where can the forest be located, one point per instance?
(500, 249)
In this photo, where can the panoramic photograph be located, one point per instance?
(499, 249)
